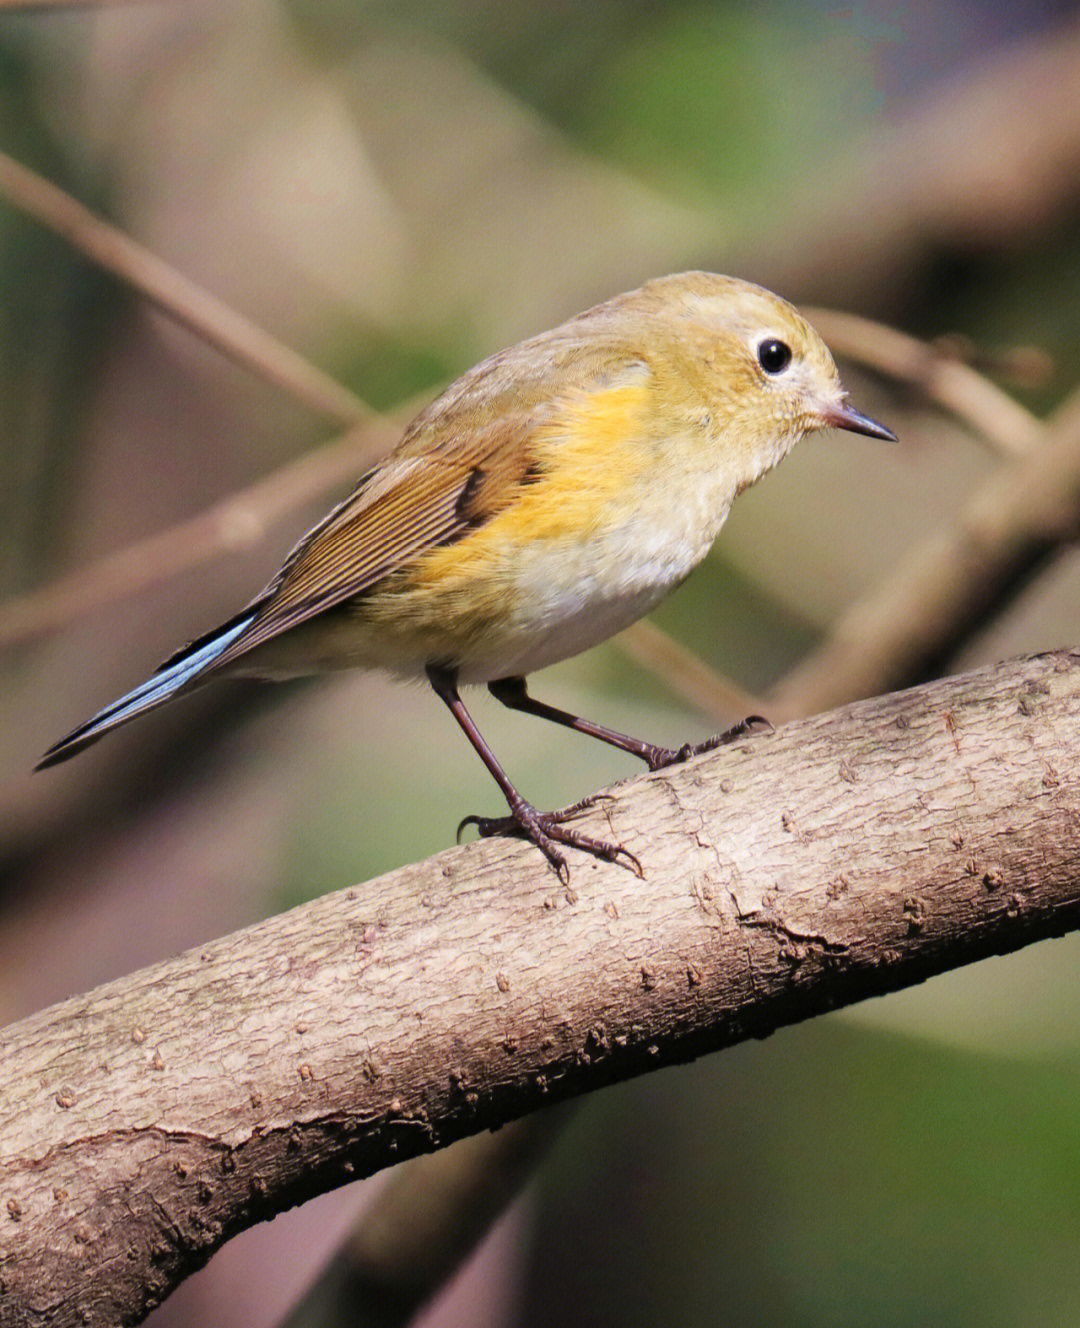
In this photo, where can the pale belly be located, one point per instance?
(555, 612)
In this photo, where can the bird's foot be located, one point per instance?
(658, 758)
(547, 830)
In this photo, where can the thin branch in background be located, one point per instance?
(1026, 510)
(686, 674)
(1029, 367)
(236, 522)
(423, 1224)
(176, 295)
(996, 417)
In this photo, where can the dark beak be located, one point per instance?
(847, 417)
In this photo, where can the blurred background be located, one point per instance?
(396, 190)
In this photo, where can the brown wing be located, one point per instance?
(418, 498)
(453, 469)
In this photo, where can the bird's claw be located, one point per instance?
(548, 829)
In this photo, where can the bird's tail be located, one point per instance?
(176, 674)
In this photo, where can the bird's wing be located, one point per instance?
(461, 460)
(430, 491)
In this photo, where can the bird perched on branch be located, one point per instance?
(547, 499)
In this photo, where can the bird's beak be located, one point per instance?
(843, 416)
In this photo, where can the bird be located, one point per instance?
(547, 499)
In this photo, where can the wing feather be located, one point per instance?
(463, 459)
(413, 502)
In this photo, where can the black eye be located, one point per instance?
(774, 356)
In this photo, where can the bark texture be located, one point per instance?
(145, 1123)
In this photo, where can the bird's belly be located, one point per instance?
(561, 602)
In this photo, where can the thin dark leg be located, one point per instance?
(513, 692)
(544, 829)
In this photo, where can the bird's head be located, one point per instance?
(766, 375)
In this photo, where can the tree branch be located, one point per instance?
(144, 1124)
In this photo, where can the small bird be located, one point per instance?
(551, 496)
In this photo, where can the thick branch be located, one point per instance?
(144, 1124)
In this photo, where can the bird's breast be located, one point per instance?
(572, 562)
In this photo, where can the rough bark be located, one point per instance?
(145, 1123)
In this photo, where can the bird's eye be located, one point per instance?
(774, 356)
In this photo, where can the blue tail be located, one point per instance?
(173, 676)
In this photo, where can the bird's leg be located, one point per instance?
(545, 829)
(513, 692)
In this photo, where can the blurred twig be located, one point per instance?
(236, 522)
(176, 295)
(686, 674)
(423, 1224)
(997, 418)
(1020, 366)
(1029, 507)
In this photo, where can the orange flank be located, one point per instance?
(583, 461)
(582, 464)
